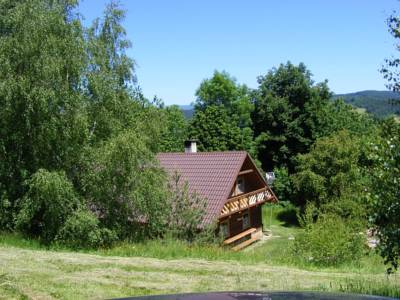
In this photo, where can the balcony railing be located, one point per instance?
(247, 200)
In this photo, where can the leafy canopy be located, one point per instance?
(222, 119)
(385, 153)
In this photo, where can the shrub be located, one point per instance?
(49, 201)
(187, 211)
(123, 184)
(385, 192)
(5, 211)
(81, 230)
(327, 241)
(282, 185)
(330, 170)
(349, 208)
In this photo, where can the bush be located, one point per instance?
(282, 185)
(328, 241)
(191, 210)
(122, 183)
(330, 170)
(81, 230)
(49, 201)
(5, 211)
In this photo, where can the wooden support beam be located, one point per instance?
(245, 172)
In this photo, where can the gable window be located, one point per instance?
(239, 187)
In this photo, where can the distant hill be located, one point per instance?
(379, 103)
(187, 110)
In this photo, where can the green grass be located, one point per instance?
(44, 274)
(28, 270)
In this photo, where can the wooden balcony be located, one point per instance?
(247, 200)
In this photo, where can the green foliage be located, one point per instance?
(222, 119)
(81, 230)
(124, 186)
(380, 104)
(390, 68)
(175, 130)
(284, 117)
(291, 112)
(110, 73)
(282, 185)
(330, 170)
(328, 241)
(338, 115)
(48, 203)
(214, 130)
(188, 210)
(42, 118)
(5, 211)
(69, 103)
(386, 192)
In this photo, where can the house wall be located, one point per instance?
(256, 216)
(251, 183)
(235, 221)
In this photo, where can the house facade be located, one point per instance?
(232, 186)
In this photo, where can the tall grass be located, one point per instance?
(275, 251)
(386, 288)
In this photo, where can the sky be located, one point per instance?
(178, 43)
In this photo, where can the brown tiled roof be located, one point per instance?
(210, 174)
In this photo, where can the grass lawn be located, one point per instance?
(29, 271)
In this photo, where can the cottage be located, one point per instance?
(232, 186)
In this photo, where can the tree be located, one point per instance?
(190, 208)
(332, 178)
(385, 152)
(110, 77)
(286, 115)
(390, 68)
(48, 203)
(220, 100)
(328, 240)
(174, 129)
(124, 187)
(291, 112)
(215, 130)
(386, 155)
(43, 123)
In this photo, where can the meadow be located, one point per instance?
(29, 270)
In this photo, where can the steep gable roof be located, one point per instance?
(211, 174)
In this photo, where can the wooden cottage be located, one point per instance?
(232, 186)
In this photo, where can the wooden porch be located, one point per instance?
(244, 238)
(241, 218)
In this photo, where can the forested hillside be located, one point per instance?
(379, 103)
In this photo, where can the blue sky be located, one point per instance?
(178, 43)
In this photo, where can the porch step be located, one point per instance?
(244, 244)
(239, 236)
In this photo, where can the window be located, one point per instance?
(239, 186)
(224, 228)
(246, 221)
